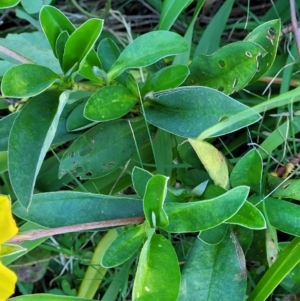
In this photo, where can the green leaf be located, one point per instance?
(211, 270)
(202, 215)
(34, 7)
(27, 80)
(86, 68)
(103, 148)
(171, 9)
(266, 35)
(248, 171)
(80, 43)
(248, 216)
(158, 274)
(5, 127)
(108, 53)
(213, 161)
(283, 215)
(71, 208)
(148, 49)
(54, 22)
(166, 78)
(189, 111)
(110, 102)
(224, 71)
(9, 250)
(289, 190)
(8, 3)
(124, 246)
(140, 178)
(28, 146)
(156, 191)
(214, 235)
(46, 297)
(60, 46)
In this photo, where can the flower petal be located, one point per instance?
(8, 227)
(8, 281)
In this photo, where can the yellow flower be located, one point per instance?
(8, 229)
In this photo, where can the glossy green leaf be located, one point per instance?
(5, 127)
(46, 297)
(248, 171)
(248, 216)
(213, 161)
(124, 246)
(109, 102)
(189, 111)
(140, 178)
(166, 78)
(54, 22)
(28, 146)
(103, 148)
(214, 235)
(8, 3)
(70, 208)
(76, 120)
(266, 35)
(226, 72)
(158, 274)
(80, 43)
(213, 272)
(171, 9)
(289, 190)
(284, 216)
(156, 191)
(148, 49)
(27, 80)
(202, 215)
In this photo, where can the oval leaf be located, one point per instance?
(103, 148)
(27, 80)
(80, 43)
(248, 171)
(71, 208)
(211, 270)
(124, 246)
(156, 191)
(8, 3)
(140, 178)
(189, 111)
(147, 49)
(248, 216)
(28, 146)
(108, 103)
(214, 235)
(203, 215)
(224, 71)
(213, 161)
(158, 274)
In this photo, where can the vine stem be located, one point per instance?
(41, 233)
(295, 27)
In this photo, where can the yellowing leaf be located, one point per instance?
(8, 227)
(213, 161)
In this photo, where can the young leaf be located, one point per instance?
(189, 111)
(166, 78)
(140, 178)
(202, 215)
(148, 49)
(27, 80)
(71, 208)
(248, 171)
(109, 102)
(158, 274)
(80, 43)
(124, 246)
(28, 146)
(54, 22)
(224, 71)
(267, 36)
(154, 198)
(102, 149)
(248, 216)
(213, 161)
(211, 270)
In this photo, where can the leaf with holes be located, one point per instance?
(189, 111)
(224, 71)
(267, 36)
